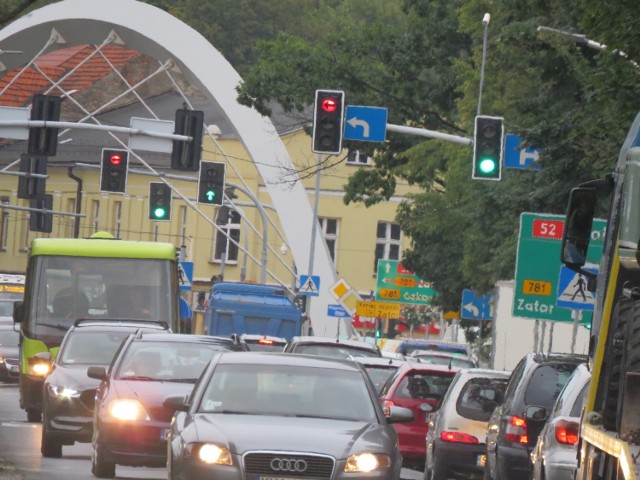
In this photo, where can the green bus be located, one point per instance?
(92, 278)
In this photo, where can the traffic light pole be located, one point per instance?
(423, 132)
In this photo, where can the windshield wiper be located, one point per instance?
(181, 380)
(137, 377)
(59, 326)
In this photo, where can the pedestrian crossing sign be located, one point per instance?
(309, 285)
(572, 289)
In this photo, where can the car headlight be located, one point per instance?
(41, 369)
(1, 360)
(210, 453)
(128, 410)
(366, 462)
(63, 392)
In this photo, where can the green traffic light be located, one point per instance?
(159, 212)
(210, 194)
(487, 165)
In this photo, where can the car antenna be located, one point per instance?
(450, 360)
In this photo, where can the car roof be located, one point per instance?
(437, 345)
(378, 361)
(249, 337)
(184, 338)
(334, 341)
(278, 358)
(483, 372)
(542, 357)
(114, 325)
(428, 367)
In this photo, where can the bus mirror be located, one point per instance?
(577, 227)
(18, 310)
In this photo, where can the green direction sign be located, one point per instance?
(538, 266)
(398, 285)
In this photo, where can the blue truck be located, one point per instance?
(249, 308)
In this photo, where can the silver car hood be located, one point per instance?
(338, 438)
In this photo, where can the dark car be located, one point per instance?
(379, 369)
(331, 347)
(130, 422)
(514, 426)
(280, 416)
(9, 354)
(68, 393)
(263, 343)
(419, 387)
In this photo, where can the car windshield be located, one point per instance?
(479, 397)
(423, 385)
(546, 384)
(286, 390)
(9, 338)
(379, 375)
(170, 361)
(91, 348)
(335, 351)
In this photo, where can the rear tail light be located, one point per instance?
(516, 431)
(386, 407)
(567, 432)
(458, 437)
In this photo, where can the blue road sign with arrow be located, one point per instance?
(474, 306)
(514, 157)
(367, 124)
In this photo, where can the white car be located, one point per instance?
(555, 454)
(456, 440)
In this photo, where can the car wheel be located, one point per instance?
(34, 415)
(100, 467)
(436, 472)
(49, 447)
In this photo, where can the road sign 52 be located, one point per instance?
(551, 229)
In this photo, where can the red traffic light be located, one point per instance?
(115, 159)
(329, 105)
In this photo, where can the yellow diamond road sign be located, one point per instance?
(378, 309)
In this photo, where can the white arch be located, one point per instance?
(159, 35)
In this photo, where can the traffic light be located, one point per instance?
(186, 154)
(211, 183)
(41, 221)
(159, 201)
(327, 121)
(32, 187)
(113, 170)
(488, 148)
(379, 326)
(44, 140)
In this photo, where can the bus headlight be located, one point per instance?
(41, 369)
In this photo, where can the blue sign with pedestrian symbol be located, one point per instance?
(185, 275)
(572, 289)
(476, 307)
(367, 124)
(309, 285)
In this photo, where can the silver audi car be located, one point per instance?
(268, 416)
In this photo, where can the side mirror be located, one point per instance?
(176, 403)
(400, 415)
(577, 227)
(99, 373)
(18, 311)
(537, 414)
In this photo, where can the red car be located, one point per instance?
(419, 387)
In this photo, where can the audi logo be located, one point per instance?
(288, 465)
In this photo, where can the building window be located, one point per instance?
(117, 218)
(329, 228)
(183, 225)
(223, 239)
(95, 215)
(355, 157)
(71, 221)
(4, 229)
(388, 239)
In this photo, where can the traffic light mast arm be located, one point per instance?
(423, 132)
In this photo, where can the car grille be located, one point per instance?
(261, 463)
(88, 398)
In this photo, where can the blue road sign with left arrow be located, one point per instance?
(474, 306)
(367, 124)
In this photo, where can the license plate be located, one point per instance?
(481, 460)
(164, 433)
